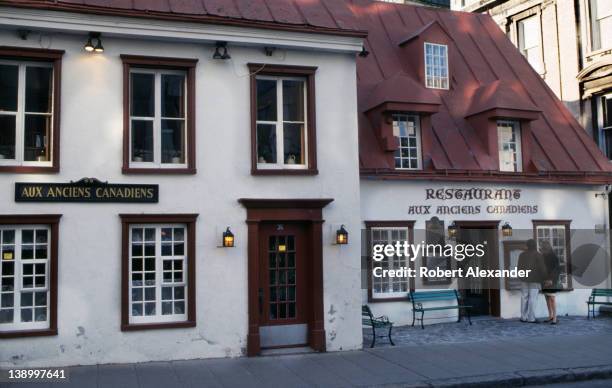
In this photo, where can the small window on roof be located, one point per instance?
(509, 139)
(436, 66)
(407, 129)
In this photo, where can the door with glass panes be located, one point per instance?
(283, 303)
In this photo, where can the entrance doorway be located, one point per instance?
(284, 276)
(285, 273)
(480, 293)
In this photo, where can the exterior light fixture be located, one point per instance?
(99, 48)
(269, 51)
(506, 230)
(341, 236)
(221, 51)
(452, 230)
(89, 46)
(228, 238)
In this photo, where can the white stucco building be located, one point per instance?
(277, 127)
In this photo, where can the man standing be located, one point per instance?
(531, 260)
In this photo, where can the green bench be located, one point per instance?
(419, 297)
(368, 319)
(592, 302)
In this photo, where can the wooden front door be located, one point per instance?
(283, 294)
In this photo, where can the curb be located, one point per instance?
(524, 378)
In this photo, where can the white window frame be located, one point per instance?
(595, 32)
(516, 127)
(417, 135)
(601, 129)
(395, 263)
(564, 259)
(157, 119)
(433, 77)
(18, 288)
(520, 39)
(280, 145)
(21, 113)
(159, 272)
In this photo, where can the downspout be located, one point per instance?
(578, 24)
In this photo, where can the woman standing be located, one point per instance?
(551, 280)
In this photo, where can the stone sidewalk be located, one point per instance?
(497, 362)
(490, 328)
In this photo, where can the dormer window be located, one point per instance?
(436, 66)
(509, 140)
(407, 130)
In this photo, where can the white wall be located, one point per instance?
(390, 200)
(89, 243)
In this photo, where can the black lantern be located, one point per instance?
(452, 230)
(221, 51)
(228, 238)
(341, 236)
(89, 46)
(506, 230)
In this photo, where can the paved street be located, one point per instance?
(513, 361)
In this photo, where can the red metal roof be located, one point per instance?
(321, 16)
(486, 71)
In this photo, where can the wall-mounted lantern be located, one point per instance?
(506, 230)
(228, 238)
(452, 230)
(89, 46)
(341, 236)
(221, 51)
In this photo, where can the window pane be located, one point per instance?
(607, 111)
(8, 87)
(143, 95)
(173, 95)
(173, 141)
(36, 138)
(293, 136)
(266, 143)
(509, 146)
(38, 89)
(293, 100)
(142, 141)
(266, 100)
(7, 137)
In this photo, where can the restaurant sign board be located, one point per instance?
(86, 190)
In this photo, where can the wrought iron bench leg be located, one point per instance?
(390, 340)
(459, 315)
(373, 336)
(422, 325)
(413, 317)
(468, 316)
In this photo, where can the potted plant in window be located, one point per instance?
(176, 157)
(41, 156)
(138, 156)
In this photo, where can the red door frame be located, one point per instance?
(310, 213)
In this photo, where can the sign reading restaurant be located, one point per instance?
(86, 190)
(473, 194)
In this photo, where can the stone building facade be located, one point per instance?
(569, 43)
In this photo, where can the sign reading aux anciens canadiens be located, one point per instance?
(86, 190)
(496, 201)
